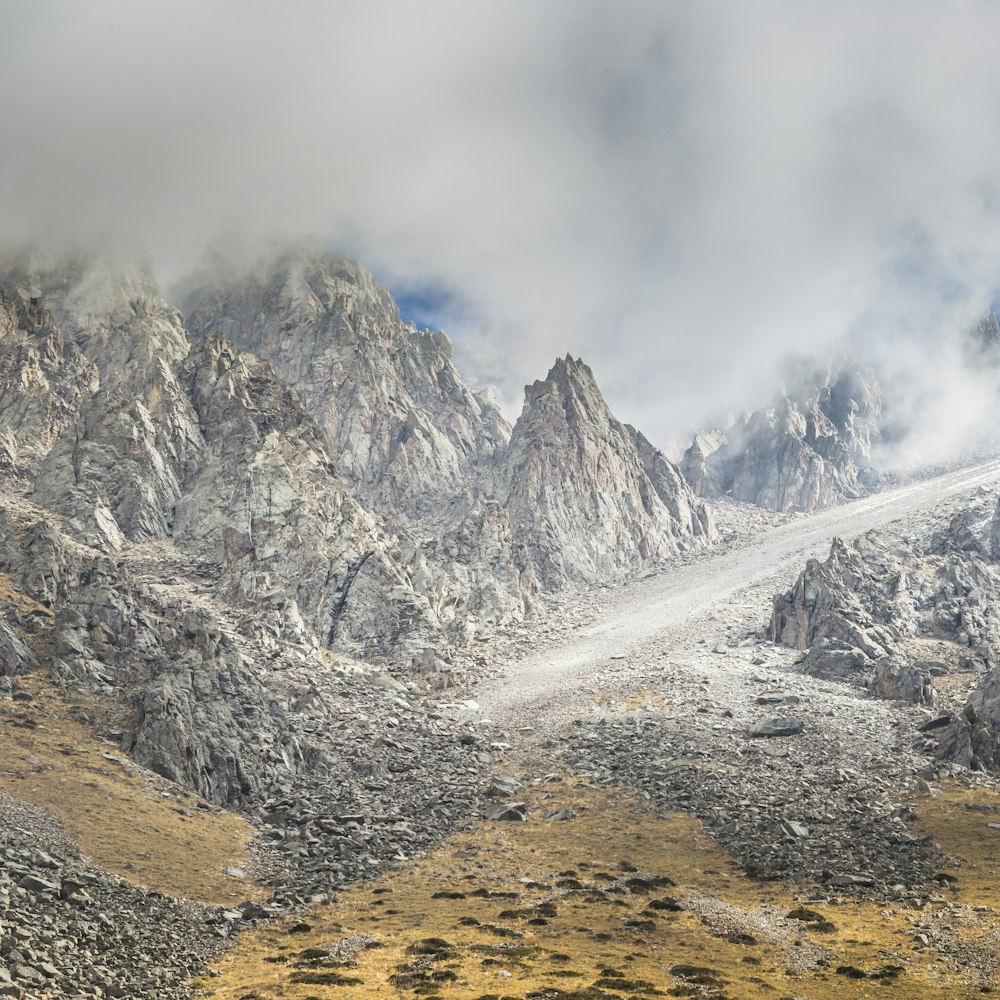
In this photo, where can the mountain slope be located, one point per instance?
(403, 427)
(584, 503)
(811, 449)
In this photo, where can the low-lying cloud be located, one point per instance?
(680, 193)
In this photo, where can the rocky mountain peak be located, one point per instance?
(581, 501)
(811, 448)
(404, 427)
(109, 304)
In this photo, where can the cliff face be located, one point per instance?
(588, 497)
(402, 426)
(811, 449)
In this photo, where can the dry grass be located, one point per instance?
(124, 821)
(490, 951)
(23, 603)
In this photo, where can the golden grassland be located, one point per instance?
(123, 822)
(542, 908)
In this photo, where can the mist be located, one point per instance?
(683, 194)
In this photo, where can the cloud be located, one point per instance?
(680, 193)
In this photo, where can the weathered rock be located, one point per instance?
(896, 679)
(35, 883)
(777, 727)
(858, 612)
(811, 449)
(16, 656)
(852, 598)
(972, 739)
(267, 507)
(108, 460)
(43, 379)
(502, 787)
(393, 410)
(995, 533)
(513, 812)
(582, 507)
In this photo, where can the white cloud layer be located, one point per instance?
(682, 193)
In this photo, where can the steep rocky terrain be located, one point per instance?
(904, 617)
(404, 428)
(276, 567)
(810, 449)
(191, 541)
(584, 495)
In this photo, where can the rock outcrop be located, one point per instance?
(199, 713)
(586, 496)
(863, 615)
(268, 508)
(403, 428)
(811, 449)
(44, 377)
(200, 531)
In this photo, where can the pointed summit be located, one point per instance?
(402, 426)
(582, 502)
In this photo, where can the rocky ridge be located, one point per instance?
(404, 428)
(196, 543)
(193, 540)
(810, 449)
(906, 617)
(586, 495)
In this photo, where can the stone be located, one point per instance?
(516, 812)
(894, 678)
(503, 787)
(35, 883)
(777, 727)
(794, 829)
(811, 449)
(576, 487)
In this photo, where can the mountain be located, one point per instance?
(810, 449)
(191, 518)
(258, 555)
(588, 497)
(404, 428)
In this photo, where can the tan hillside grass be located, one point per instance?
(124, 820)
(441, 930)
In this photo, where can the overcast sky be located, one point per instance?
(681, 193)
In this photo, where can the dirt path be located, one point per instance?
(686, 607)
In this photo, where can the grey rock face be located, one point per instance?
(995, 534)
(852, 614)
(205, 720)
(106, 474)
(972, 738)
(581, 504)
(43, 379)
(267, 506)
(190, 515)
(16, 656)
(858, 613)
(690, 515)
(849, 599)
(403, 427)
(898, 680)
(110, 306)
(201, 715)
(810, 450)
(111, 429)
